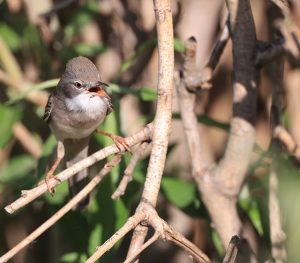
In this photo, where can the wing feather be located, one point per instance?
(48, 109)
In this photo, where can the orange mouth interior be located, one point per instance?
(100, 92)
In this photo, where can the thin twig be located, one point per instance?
(277, 234)
(57, 7)
(60, 213)
(149, 216)
(267, 52)
(188, 246)
(6, 79)
(30, 195)
(131, 223)
(13, 76)
(143, 247)
(27, 140)
(287, 140)
(192, 77)
(127, 177)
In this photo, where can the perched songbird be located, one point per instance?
(77, 106)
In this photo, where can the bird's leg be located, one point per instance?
(118, 140)
(60, 156)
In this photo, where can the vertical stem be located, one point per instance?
(162, 121)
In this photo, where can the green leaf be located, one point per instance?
(85, 49)
(178, 45)
(48, 149)
(95, 239)
(49, 145)
(40, 86)
(141, 49)
(204, 119)
(10, 37)
(179, 192)
(61, 192)
(217, 243)
(121, 212)
(93, 6)
(69, 257)
(110, 125)
(214, 123)
(251, 208)
(105, 216)
(147, 94)
(17, 168)
(8, 117)
(80, 19)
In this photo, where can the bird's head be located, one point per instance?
(81, 77)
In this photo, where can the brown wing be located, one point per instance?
(107, 99)
(48, 109)
(110, 106)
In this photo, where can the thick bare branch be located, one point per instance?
(162, 122)
(224, 181)
(232, 169)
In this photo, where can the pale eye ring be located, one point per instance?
(78, 84)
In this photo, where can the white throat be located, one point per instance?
(85, 103)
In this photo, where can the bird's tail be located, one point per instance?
(76, 150)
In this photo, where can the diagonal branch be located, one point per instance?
(131, 223)
(148, 215)
(30, 195)
(149, 242)
(281, 134)
(66, 208)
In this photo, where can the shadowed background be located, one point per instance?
(37, 38)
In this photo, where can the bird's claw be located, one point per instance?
(51, 189)
(120, 142)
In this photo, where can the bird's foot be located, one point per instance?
(118, 140)
(49, 176)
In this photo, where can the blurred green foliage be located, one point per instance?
(80, 233)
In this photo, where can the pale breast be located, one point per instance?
(83, 114)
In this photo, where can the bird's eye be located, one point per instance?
(78, 84)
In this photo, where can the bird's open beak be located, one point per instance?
(98, 90)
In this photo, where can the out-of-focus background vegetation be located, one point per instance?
(37, 38)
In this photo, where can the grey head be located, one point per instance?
(81, 75)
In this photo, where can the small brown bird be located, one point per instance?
(77, 106)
